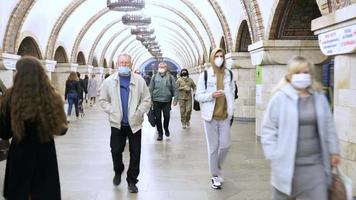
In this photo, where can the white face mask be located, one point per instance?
(219, 61)
(161, 70)
(301, 81)
(123, 70)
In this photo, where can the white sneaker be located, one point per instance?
(184, 126)
(215, 182)
(187, 125)
(221, 179)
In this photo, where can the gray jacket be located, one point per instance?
(163, 89)
(280, 133)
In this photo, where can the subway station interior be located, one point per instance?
(258, 36)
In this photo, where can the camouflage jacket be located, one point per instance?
(185, 87)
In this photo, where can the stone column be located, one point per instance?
(337, 37)
(244, 74)
(49, 66)
(271, 57)
(7, 68)
(60, 75)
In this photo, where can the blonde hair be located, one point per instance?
(294, 66)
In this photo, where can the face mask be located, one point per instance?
(124, 70)
(161, 70)
(301, 81)
(219, 61)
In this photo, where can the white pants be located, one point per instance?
(217, 134)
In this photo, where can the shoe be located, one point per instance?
(117, 179)
(187, 124)
(167, 133)
(221, 179)
(160, 138)
(184, 125)
(133, 188)
(68, 119)
(215, 183)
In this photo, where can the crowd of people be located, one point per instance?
(298, 131)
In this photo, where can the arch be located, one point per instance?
(105, 65)
(14, 25)
(223, 43)
(97, 39)
(152, 65)
(58, 26)
(254, 19)
(225, 25)
(81, 58)
(292, 19)
(95, 61)
(84, 29)
(60, 55)
(112, 64)
(243, 38)
(29, 47)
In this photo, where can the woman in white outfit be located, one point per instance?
(92, 89)
(299, 136)
(216, 96)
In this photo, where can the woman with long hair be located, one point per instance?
(72, 93)
(31, 113)
(299, 135)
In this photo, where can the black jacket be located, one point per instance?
(72, 87)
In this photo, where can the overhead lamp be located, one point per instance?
(125, 5)
(136, 20)
(142, 30)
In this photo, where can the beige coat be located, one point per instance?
(139, 101)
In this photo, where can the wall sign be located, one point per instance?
(339, 41)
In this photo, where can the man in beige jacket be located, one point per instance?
(124, 96)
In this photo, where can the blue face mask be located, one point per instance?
(124, 70)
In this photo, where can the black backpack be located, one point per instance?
(231, 79)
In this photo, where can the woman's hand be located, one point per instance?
(335, 160)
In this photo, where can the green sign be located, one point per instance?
(259, 75)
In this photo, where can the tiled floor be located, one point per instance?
(174, 169)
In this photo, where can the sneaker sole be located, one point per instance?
(216, 187)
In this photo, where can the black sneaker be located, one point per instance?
(159, 138)
(167, 133)
(117, 179)
(133, 188)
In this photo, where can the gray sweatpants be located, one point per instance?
(217, 134)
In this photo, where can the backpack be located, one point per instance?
(231, 79)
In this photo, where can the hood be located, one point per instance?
(212, 57)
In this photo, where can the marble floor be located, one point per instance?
(174, 169)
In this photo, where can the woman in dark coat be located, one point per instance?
(31, 113)
(72, 93)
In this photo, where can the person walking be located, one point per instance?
(72, 93)
(92, 90)
(299, 135)
(31, 113)
(185, 87)
(163, 90)
(125, 97)
(82, 88)
(215, 92)
(85, 85)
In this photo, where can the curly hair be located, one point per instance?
(33, 100)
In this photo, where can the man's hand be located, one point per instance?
(219, 93)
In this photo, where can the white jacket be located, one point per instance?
(205, 96)
(280, 133)
(139, 101)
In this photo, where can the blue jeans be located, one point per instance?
(73, 99)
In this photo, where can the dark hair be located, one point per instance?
(33, 99)
(184, 71)
(78, 74)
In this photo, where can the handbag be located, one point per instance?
(196, 104)
(341, 186)
(151, 117)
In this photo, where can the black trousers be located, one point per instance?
(117, 144)
(158, 107)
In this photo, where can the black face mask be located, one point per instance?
(184, 75)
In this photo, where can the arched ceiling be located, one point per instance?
(184, 29)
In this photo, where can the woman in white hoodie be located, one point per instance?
(299, 136)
